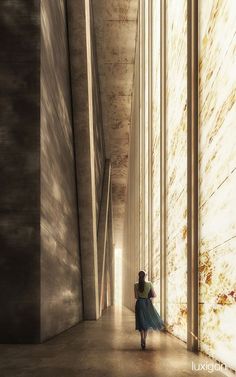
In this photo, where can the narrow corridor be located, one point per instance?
(108, 347)
(117, 155)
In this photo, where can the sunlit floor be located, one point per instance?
(108, 347)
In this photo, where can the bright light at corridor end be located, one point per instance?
(118, 277)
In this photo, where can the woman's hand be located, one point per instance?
(152, 293)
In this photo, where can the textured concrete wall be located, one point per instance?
(110, 258)
(131, 237)
(20, 174)
(103, 228)
(217, 163)
(90, 151)
(89, 144)
(99, 146)
(82, 93)
(115, 30)
(61, 298)
(40, 279)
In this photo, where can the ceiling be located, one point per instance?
(115, 23)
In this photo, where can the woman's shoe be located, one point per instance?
(143, 344)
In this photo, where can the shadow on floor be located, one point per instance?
(109, 347)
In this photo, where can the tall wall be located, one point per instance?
(42, 178)
(20, 172)
(61, 296)
(93, 180)
(168, 126)
(99, 146)
(132, 221)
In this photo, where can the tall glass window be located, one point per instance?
(155, 168)
(176, 133)
(217, 165)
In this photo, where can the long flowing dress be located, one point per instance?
(146, 315)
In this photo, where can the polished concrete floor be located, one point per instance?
(109, 347)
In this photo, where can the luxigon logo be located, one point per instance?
(209, 367)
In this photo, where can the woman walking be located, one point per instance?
(146, 316)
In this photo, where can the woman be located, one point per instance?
(146, 315)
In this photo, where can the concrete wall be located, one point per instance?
(40, 202)
(40, 278)
(20, 172)
(131, 260)
(115, 24)
(90, 153)
(99, 145)
(61, 296)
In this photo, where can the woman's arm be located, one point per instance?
(153, 293)
(135, 291)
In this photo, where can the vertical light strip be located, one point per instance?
(142, 133)
(137, 132)
(135, 143)
(192, 184)
(91, 138)
(150, 152)
(163, 158)
(146, 136)
(138, 142)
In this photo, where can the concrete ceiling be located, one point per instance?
(115, 23)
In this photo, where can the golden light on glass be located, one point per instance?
(217, 163)
(177, 168)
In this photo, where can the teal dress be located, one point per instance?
(146, 315)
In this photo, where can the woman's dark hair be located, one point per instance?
(141, 280)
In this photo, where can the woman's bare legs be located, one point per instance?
(143, 338)
(145, 335)
(142, 335)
